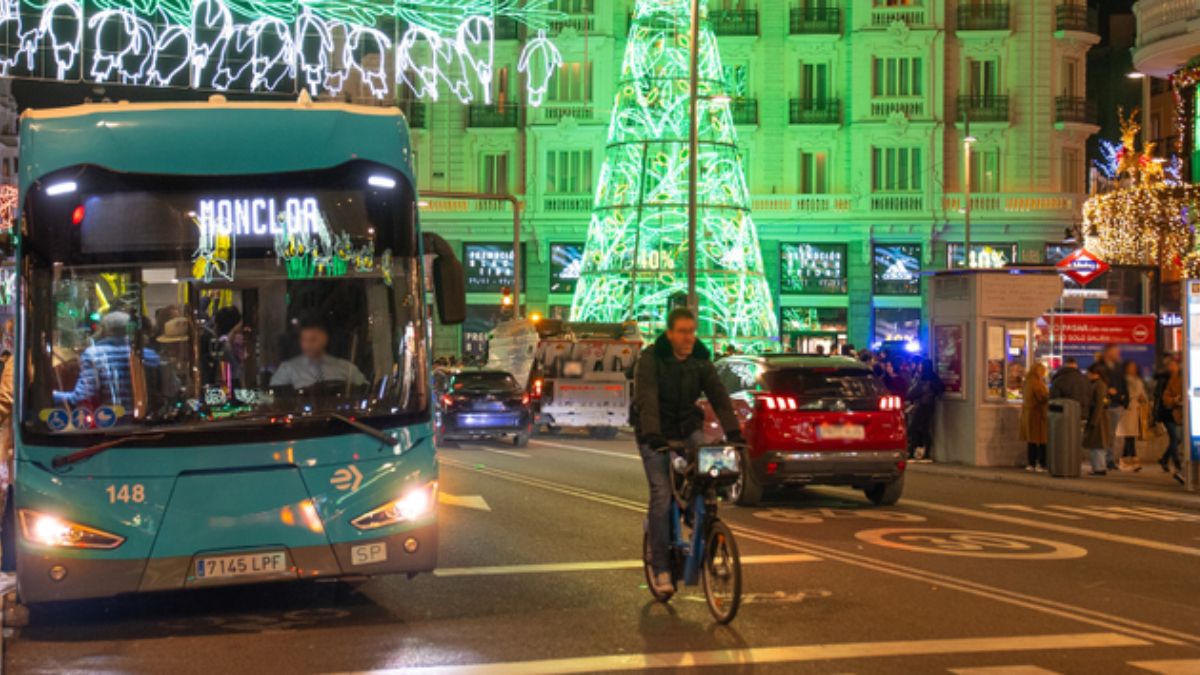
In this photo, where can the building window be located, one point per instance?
(814, 82)
(985, 170)
(493, 174)
(572, 83)
(574, 6)
(1070, 83)
(569, 172)
(1072, 171)
(897, 76)
(897, 3)
(984, 82)
(896, 169)
(813, 179)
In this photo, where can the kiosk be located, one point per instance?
(982, 334)
(1191, 383)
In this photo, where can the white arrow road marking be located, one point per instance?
(476, 502)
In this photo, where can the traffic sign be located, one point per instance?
(1082, 266)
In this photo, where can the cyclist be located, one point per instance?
(670, 376)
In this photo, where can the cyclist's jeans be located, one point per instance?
(658, 473)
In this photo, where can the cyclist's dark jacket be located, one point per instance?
(666, 390)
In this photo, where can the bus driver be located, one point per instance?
(313, 364)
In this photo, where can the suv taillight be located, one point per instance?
(776, 402)
(537, 388)
(890, 403)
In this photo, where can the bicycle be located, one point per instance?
(709, 552)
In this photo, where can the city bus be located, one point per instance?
(223, 350)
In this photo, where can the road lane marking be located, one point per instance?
(1174, 667)
(498, 451)
(476, 502)
(601, 565)
(793, 654)
(1146, 631)
(593, 451)
(1004, 670)
(969, 543)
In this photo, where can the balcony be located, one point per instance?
(814, 111)
(734, 22)
(898, 202)
(1012, 203)
(1078, 18)
(1166, 34)
(985, 16)
(414, 112)
(567, 203)
(580, 23)
(491, 117)
(883, 17)
(909, 106)
(744, 110)
(983, 108)
(802, 205)
(1074, 110)
(816, 21)
(551, 112)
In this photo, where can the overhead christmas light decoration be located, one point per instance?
(272, 45)
(8, 207)
(1144, 219)
(634, 260)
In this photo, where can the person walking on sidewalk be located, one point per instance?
(922, 398)
(1035, 417)
(1134, 421)
(1170, 412)
(1097, 434)
(1118, 396)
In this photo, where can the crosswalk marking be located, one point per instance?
(1172, 667)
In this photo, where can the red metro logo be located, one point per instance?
(1082, 267)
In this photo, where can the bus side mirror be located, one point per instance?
(449, 281)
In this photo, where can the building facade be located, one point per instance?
(852, 119)
(1168, 44)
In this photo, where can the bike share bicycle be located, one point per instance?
(708, 552)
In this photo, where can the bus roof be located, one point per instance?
(213, 138)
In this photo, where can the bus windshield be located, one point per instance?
(182, 303)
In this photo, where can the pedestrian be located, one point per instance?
(1070, 383)
(1097, 434)
(1133, 424)
(1118, 397)
(893, 381)
(1035, 417)
(922, 398)
(1170, 413)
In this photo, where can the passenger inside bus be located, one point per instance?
(105, 368)
(314, 364)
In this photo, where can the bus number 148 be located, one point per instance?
(126, 493)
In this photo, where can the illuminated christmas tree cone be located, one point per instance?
(635, 260)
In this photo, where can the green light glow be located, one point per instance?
(635, 260)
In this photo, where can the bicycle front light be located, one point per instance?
(48, 530)
(416, 503)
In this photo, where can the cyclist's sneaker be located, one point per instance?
(663, 583)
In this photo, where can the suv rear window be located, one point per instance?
(484, 382)
(827, 388)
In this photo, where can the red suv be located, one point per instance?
(813, 420)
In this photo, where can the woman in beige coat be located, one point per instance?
(1035, 417)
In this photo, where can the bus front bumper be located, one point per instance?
(93, 576)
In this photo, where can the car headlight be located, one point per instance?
(416, 503)
(47, 530)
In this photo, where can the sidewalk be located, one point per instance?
(1150, 485)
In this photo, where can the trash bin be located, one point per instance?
(1065, 449)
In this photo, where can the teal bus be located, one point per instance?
(223, 350)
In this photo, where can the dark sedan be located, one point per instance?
(484, 404)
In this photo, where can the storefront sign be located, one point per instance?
(489, 267)
(812, 268)
(566, 263)
(1101, 329)
(897, 269)
(1082, 267)
(949, 341)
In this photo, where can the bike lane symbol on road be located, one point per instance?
(970, 543)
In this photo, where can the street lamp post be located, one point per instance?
(693, 153)
(968, 141)
(516, 211)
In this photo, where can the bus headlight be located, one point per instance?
(416, 503)
(47, 530)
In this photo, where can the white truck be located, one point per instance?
(579, 373)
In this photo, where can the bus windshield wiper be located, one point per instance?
(93, 450)
(367, 429)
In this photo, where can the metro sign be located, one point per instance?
(1082, 267)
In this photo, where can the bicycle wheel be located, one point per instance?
(722, 573)
(661, 597)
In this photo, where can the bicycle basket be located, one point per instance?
(720, 464)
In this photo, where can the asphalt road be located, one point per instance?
(539, 572)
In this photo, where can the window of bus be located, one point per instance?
(188, 302)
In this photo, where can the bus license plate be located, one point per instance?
(267, 563)
(841, 432)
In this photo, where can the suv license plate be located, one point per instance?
(266, 563)
(841, 432)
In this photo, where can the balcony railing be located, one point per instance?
(901, 202)
(734, 21)
(1161, 19)
(552, 112)
(816, 21)
(814, 111)
(882, 17)
(1034, 205)
(983, 108)
(800, 205)
(577, 22)
(491, 116)
(414, 112)
(909, 106)
(744, 110)
(1010, 203)
(1074, 109)
(1076, 18)
(985, 16)
(567, 203)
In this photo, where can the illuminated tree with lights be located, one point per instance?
(635, 260)
(1145, 218)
